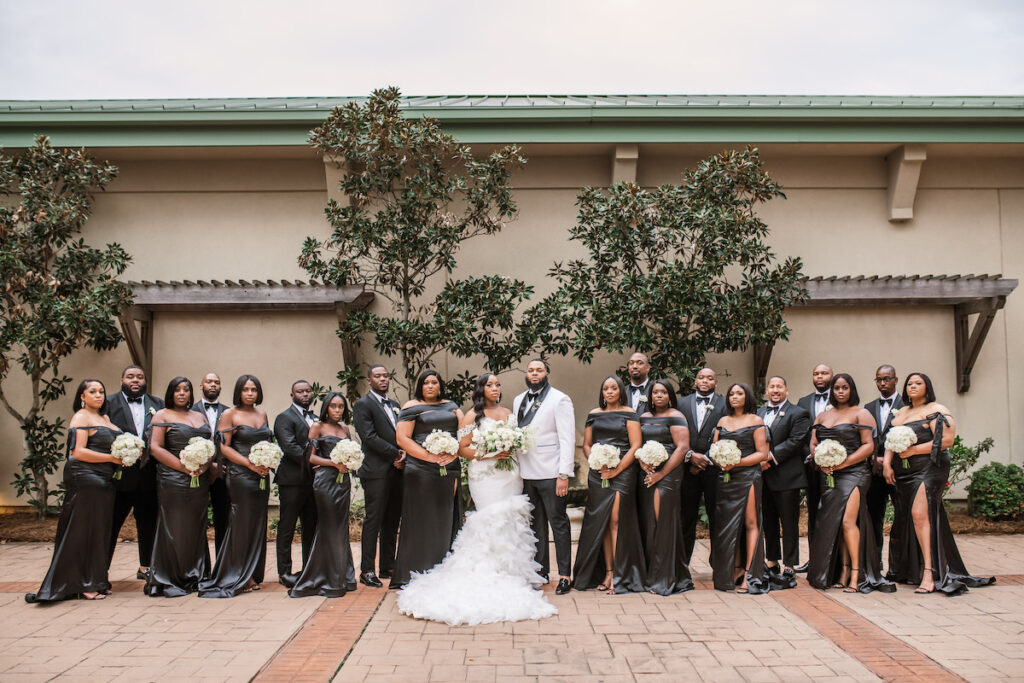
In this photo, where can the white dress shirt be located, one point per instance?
(384, 404)
(304, 414)
(138, 411)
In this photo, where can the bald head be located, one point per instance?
(638, 367)
(821, 377)
(210, 386)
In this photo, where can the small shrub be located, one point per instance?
(996, 491)
(962, 458)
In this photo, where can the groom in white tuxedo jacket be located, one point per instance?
(547, 466)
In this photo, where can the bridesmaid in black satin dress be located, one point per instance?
(920, 531)
(79, 564)
(660, 516)
(243, 553)
(737, 534)
(610, 554)
(181, 553)
(431, 517)
(329, 571)
(844, 553)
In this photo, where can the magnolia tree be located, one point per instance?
(413, 195)
(58, 294)
(677, 272)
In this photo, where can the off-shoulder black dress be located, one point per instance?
(181, 553)
(728, 527)
(825, 567)
(667, 569)
(628, 564)
(243, 553)
(79, 563)
(928, 471)
(329, 571)
(431, 517)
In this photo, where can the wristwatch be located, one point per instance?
(689, 454)
(563, 477)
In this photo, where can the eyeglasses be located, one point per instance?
(885, 379)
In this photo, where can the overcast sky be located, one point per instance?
(53, 49)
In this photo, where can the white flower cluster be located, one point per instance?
(900, 438)
(652, 453)
(265, 454)
(603, 455)
(725, 453)
(501, 437)
(829, 453)
(197, 453)
(347, 453)
(440, 442)
(127, 448)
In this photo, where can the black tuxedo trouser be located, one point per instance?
(549, 508)
(693, 486)
(784, 507)
(383, 496)
(296, 503)
(142, 504)
(878, 494)
(221, 505)
(813, 498)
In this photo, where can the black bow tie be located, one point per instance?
(135, 400)
(636, 387)
(821, 395)
(704, 399)
(309, 414)
(887, 401)
(209, 406)
(533, 395)
(773, 409)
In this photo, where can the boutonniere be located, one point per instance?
(708, 407)
(828, 407)
(894, 412)
(152, 412)
(394, 410)
(782, 413)
(642, 399)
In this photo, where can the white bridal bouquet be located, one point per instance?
(829, 453)
(652, 453)
(725, 453)
(265, 454)
(126, 448)
(197, 453)
(502, 437)
(603, 455)
(440, 442)
(899, 439)
(348, 453)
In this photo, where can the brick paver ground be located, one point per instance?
(701, 635)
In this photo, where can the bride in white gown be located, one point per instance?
(489, 575)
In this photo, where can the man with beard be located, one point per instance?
(783, 478)
(547, 466)
(814, 403)
(882, 409)
(375, 416)
(639, 368)
(702, 409)
(213, 409)
(132, 409)
(294, 479)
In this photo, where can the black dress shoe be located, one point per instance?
(370, 579)
(544, 578)
(563, 587)
(802, 569)
(288, 580)
(30, 598)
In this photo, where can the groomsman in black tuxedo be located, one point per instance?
(814, 403)
(881, 409)
(294, 479)
(375, 416)
(132, 409)
(702, 409)
(639, 369)
(783, 478)
(213, 409)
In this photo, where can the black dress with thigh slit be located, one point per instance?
(825, 567)
(667, 569)
(628, 564)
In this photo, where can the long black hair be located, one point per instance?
(854, 396)
(78, 404)
(172, 388)
(929, 390)
(479, 400)
(671, 394)
(622, 392)
(423, 378)
(345, 414)
(749, 403)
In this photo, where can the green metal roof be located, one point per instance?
(528, 118)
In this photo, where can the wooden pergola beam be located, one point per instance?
(139, 338)
(242, 295)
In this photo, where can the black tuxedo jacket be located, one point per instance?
(807, 403)
(121, 415)
(292, 434)
(700, 441)
(787, 438)
(377, 435)
(198, 407)
(872, 407)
